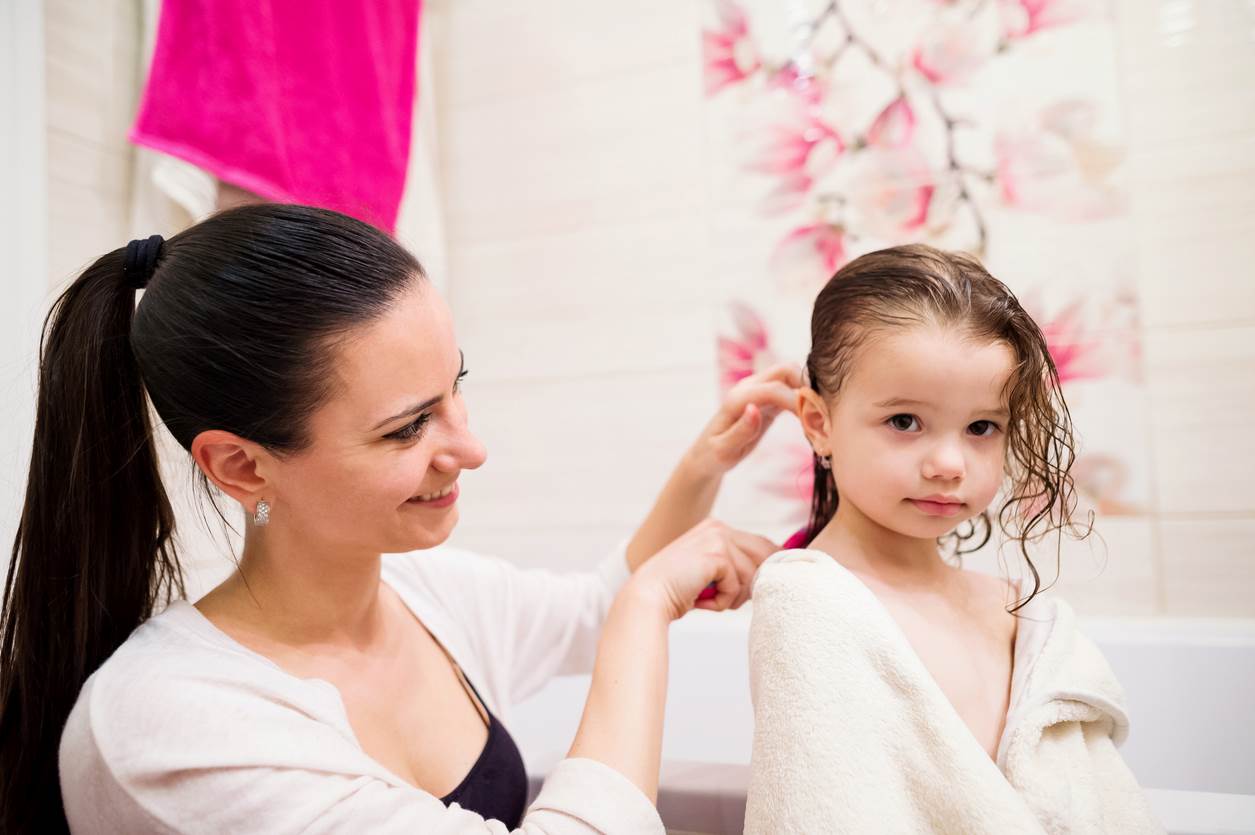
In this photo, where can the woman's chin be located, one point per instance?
(434, 532)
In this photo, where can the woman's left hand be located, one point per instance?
(748, 409)
(687, 498)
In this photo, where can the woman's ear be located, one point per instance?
(236, 467)
(812, 411)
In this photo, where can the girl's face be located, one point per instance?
(917, 432)
(381, 472)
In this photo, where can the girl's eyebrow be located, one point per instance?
(894, 402)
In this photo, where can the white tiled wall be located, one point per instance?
(572, 158)
(92, 82)
(571, 142)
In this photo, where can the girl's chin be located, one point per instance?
(927, 528)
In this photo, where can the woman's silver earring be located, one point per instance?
(825, 461)
(261, 516)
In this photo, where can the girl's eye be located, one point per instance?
(411, 430)
(457, 384)
(983, 428)
(904, 423)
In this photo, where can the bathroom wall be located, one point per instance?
(23, 236)
(580, 260)
(91, 86)
(579, 248)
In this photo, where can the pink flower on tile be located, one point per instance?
(950, 52)
(792, 477)
(894, 127)
(748, 350)
(1022, 18)
(790, 78)
(796, 154)
(788, 194)
(807, 148)
(893, 193)
(729, 55)
(809, 255)
(1076, 351)
(1057, 168)
(1103, 480)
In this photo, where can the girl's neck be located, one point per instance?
(298, 593)
(868, 548)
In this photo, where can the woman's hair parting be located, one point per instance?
(235, 331)
(907, 286)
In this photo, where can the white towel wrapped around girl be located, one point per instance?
(852, 734)
(893, 691)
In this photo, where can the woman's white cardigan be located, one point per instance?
(185, 730)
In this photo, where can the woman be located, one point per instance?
(313, 375)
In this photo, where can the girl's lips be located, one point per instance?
(443, 501)
(933, 508)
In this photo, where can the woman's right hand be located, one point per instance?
(709, 552)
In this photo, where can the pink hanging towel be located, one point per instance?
(303, 101)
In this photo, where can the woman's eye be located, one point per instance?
(457, 384)
(904, 423)
(983, 428)
(411, 430)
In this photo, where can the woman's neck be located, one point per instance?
(299, 593)
(866, 547)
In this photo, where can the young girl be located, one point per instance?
(894, 691)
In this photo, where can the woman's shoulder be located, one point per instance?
(174, 678)
(169, 647)
(178, 712)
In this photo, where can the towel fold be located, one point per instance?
(853, 734)
(306, 101)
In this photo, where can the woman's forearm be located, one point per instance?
(622, 722)
(685, 500)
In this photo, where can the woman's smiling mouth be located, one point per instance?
(441, 498)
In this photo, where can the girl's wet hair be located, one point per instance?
(910, 286)
(235, 331)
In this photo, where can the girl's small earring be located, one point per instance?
(825, 461)
(261, 516)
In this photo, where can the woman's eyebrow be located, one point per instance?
(426, 404)
(412, 410)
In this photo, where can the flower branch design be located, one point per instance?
(918, 187)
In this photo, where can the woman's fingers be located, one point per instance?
(786, 372)
(727, 584)
(711, 566)
(740, 553)
(756, 548)
(770, 395)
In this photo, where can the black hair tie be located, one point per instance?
(141, 259)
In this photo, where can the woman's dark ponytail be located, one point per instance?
(94, 552)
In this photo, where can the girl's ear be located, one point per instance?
(812, 411)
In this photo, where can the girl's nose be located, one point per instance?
(945, 462)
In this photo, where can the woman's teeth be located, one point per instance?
(431, 497)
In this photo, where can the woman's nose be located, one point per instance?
(462, 451)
